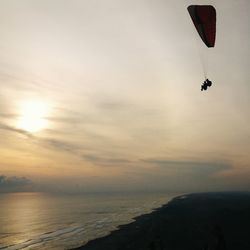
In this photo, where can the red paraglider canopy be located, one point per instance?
(204, 19)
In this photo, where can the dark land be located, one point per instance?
(202, 221)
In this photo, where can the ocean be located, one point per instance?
(55, 221)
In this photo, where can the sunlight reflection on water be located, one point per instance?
(56, 221)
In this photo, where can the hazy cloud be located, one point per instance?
(105, 160)
(14, 183)
(5, 115)
(192, 168)
(187, 164)
(112, 104)
(13, 129)
(61, 145)
(187, 174)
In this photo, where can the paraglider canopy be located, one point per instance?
(204, 19)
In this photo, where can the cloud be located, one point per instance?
(207, 167)
(105, 161)
(114, 104)
(5, 115)
(185, 175)
(61, 145)
(14, 183)
(13, 129)
(57, 144)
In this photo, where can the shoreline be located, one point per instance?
(190, 221)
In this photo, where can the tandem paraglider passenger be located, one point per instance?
(206, 83)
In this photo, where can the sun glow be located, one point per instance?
(33, 116)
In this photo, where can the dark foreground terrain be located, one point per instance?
(205, 221)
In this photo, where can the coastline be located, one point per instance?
(192, 221)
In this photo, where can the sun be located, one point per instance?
(33, 116)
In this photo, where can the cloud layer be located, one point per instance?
(14, 184)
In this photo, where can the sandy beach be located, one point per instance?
(202, 221)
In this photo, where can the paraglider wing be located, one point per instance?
(204, 19)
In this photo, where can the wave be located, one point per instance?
(48, 236)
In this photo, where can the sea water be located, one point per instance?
(56, 221)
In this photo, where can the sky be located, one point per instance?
(104, 95)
